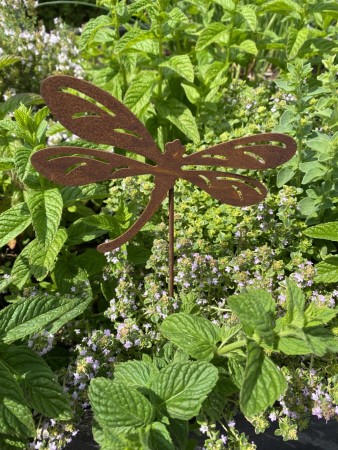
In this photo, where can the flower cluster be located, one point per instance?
(42, 53)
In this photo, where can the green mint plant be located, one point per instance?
(28, 382)
(236, 360)
(327, 270)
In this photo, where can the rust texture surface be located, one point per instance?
(92, 114)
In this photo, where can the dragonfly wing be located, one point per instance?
(96, 116)
(74, 166)
(259, 151)
(160, 190)
(229, 188)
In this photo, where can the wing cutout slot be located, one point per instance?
(81, 114)
(76, 155)
(76, 93)
(255, 156)
(124, 131)
(74, 167)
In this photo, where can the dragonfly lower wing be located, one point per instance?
(229, 188)
(158, 195)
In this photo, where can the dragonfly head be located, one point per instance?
(174, 150)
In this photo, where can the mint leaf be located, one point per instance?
(295, 303)
(31, 315)
(13, 222)
(135, 373)
(42, 260)
(46, 209)
(195, 335)
(255, 310)
(216, 32)
(182, 65)
(180, 116)
(181, 388)
(263, 382)
(319, 315)
(44, 393)
(327, 270)
(118, 406)
(328, 230)
(15, 416)
(138, 95)
(159, 437)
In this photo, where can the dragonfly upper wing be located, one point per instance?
(259, 151)
(74, 166)
(93, 114)
(229, 188)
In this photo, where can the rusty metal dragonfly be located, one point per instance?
(94, 115)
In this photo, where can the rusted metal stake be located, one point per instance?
(171, 242)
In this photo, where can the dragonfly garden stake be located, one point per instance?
(94, 115)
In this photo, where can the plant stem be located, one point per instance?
(230, 347)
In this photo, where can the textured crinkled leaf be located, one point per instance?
(31, 315)
(68, 275)
(295, 303)
(195, 335)
(255, 309)
(159, 437)
(216, 32)
(118, 406)
(91, 28)
(304, 341)
(43, 392)
(281, 6)
(179, 115)
(328, 230)
(327, 270)
(14, 102)
(138, 95)
(15, 416)
(42, 260)
(181, 388)
(249, 15)
(13, 222)
(46, 209)
(248, 46)
(24, 168)
(8, 60)
(135, 373)
(6, 164)
(72, 194)
(315, 314)
(182, 65)
(191, 92)
(80, 231)
(137, 40)
(263, 382)
(284, 175)
(179, 431)
(21, 269)
(296, 41)
(107, 440)
(11, 443)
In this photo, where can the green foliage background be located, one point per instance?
(254, 308)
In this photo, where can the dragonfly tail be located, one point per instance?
(157, 196)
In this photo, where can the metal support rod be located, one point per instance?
(171, 242)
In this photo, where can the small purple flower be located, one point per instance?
(273, 417)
